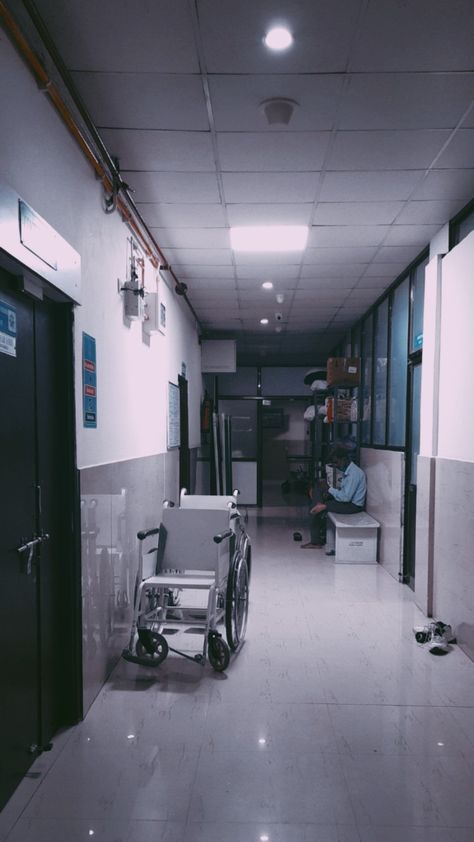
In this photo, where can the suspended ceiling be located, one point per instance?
(378, 156)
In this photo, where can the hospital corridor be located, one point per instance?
(331, 724)
(236, 414)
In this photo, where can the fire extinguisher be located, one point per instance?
(206, 414)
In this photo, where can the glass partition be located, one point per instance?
(380, 372)
(398, 354)
(366, 423)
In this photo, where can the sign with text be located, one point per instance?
(89, 381)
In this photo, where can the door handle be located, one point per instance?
(29, 548)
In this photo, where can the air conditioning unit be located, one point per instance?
(218, 356)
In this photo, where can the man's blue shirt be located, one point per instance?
(353, 486)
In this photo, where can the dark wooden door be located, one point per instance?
(38, 593)
(184, 472)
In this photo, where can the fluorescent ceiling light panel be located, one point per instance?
(275, 238)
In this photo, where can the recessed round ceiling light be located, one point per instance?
(267, 285)
(263, 321)
(278, 38)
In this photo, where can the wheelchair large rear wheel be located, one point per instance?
(237, 602)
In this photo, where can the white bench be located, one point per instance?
(353, 537)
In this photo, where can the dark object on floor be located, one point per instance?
(297, 536)
(436, 635)
(285, 487)
(310, 546)
(331, 552)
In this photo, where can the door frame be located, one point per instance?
(71, 535)
(409, 497)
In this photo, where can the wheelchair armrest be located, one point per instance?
(145, 533)
(222, 536)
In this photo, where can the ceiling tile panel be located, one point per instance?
(407, 235)
(144, 100)
(398, 254)
(340, 271)
(210, 273)
(266, 187)
(192, 238)
(347, 235)
(233, 32)
(268, 271)
(278, 214)
(275, 151)
(146, 36)
(156, 150)
(460, 151)
(356, 213)
(208, 257)
(236, 101)
(428, 212)
(388, 270)
(446, 184)
(246, 258)
(386, 150)
(379, 186)
(183, 216)
(406, 101)
(426, 35)
(173, 187)
(359, 254)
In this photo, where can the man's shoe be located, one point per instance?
(331, 552)
(438, 644)
(310, 546)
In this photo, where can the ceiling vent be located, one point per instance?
(278, 111)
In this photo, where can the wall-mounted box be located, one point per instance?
(151, 318)
(218, 355)
(343, 371)
(133, 301)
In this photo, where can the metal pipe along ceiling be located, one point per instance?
(108, 175)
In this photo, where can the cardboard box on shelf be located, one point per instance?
(343, 371)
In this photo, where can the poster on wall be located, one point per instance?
(89, 381)
(7, 329)
(174, 435)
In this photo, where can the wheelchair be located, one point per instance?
(193, 579)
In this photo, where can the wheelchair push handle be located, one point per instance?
(145, 533)
(222, 536)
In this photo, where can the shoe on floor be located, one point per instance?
(310, 546)
(438, 645)
(331, 552)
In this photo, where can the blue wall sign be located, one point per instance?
(7, 329)
(89, 380)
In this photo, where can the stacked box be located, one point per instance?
(343, 371)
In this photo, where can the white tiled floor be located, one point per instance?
(331, 725)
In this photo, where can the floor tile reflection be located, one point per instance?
(330, 725)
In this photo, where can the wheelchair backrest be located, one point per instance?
(206, 501)
(190, 544)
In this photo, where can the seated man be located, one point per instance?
(348, 499)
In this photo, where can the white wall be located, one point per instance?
(456, 379)
(42, 163)
(385, 485)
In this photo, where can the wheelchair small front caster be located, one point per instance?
(218, 652)
(151, 644)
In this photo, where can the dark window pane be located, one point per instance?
(380, 373)
(418, 294)
(367, 332)
(398, 365)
